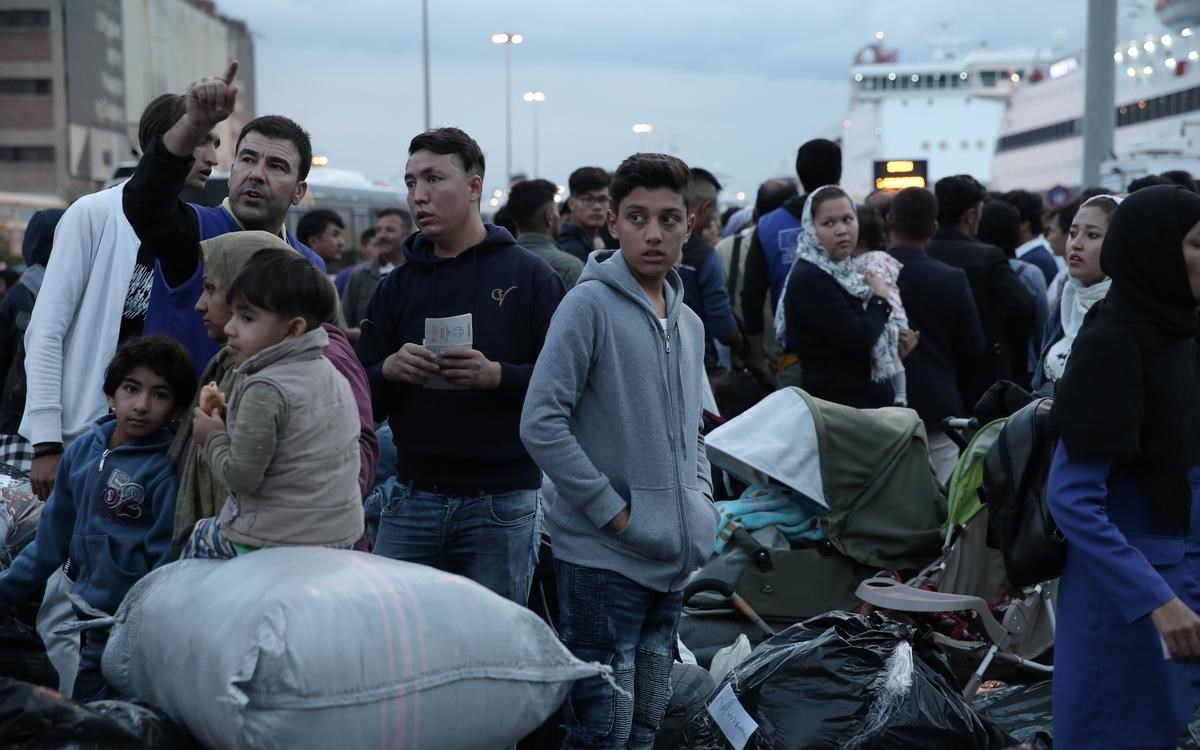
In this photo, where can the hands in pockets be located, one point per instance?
(655, 528)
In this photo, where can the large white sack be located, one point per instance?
(307, 647)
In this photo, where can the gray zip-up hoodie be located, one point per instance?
(613, 418)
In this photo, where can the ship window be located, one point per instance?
(925, 146)
(988, 77)
(941, 82)
(942, 146)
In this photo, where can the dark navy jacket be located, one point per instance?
(833, 333)
(704, 292)
(938, 300)
(1041, 257)
(464, 439)
(111, 513)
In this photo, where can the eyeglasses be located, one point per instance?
(595, 200)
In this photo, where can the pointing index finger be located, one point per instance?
(230, 72)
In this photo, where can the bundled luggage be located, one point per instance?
(842, 681)
(307, 647)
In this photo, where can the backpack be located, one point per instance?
(1015, 470)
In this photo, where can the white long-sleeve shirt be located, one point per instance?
(77, 318)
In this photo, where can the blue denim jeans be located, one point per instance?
(605, 617)
(491, 539)
(89, 680)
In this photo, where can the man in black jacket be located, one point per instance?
(1006, 308)
(467, 494)
(1032, 248)
(773, 246)
(588, 210)
(937, 299)
(700, 271)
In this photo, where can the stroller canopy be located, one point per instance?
(869, 467)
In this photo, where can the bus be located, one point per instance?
(16, 209)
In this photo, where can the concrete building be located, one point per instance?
(75, 76)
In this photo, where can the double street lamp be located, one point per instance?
(535, 98)
(508, 39)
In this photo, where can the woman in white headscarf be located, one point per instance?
(834, 323)
(1087, 286)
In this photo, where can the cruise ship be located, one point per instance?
(1014, 118)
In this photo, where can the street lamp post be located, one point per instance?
(425, 57)
(643, 129)
(508, 39)
(535, 98)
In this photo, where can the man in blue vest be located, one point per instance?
(270, 165)
(773, 247)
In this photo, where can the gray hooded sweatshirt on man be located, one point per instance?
(613, 416)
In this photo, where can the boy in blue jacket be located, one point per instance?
(108, 521)
(613, 417)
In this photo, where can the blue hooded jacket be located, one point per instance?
(111, 514)
(16, 310)
(463, 439)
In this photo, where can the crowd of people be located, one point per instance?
(465, 387)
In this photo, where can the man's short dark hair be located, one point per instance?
(914, 214)
(404, 216)
(451, 142)
(819, 163)
(650, 171)
(158, 117)
(955, 196)
(772, 194)
(284, 129)
(528, 201)
(702, 185)
(315, 222)
(162, 355)
(503, 218)
(287, 284)
(365, 238)
(1029, 205)
(1149, 180)
(587, 179)
(1182, 178)
(1000, 225)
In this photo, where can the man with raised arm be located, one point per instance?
(271, 162)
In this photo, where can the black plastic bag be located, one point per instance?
(23, 655)
(1024, 711)
(42, 719)
(849, 681)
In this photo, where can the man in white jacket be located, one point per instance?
(90, 296)
(75, 327)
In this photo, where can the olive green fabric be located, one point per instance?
(802, 583)
(886, 508)
(963, 497)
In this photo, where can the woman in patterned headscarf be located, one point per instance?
(835, 324)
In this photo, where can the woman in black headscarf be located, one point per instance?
(1124, 488)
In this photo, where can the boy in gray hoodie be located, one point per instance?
(613, 417)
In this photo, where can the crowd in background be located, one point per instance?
(588, 338)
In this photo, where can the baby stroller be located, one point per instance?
(1007, 625)
(863, 476)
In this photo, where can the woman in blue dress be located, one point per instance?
(1124, 489)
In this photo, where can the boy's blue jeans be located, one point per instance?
(89, 680)
(491, 539)
(605, 617)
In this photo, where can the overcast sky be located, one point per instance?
(731, 86)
